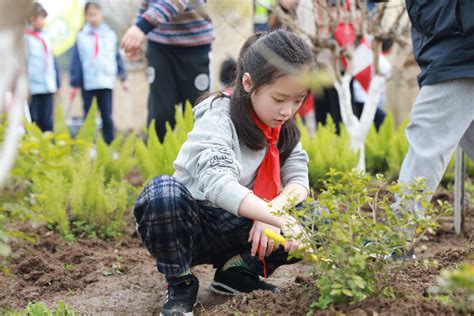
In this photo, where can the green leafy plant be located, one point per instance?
(456, 287)
(353, 229)
(41, 309)
(76, 185)
(156, 158)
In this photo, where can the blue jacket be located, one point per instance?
(95, 67)
(443, 38)
(43, 74)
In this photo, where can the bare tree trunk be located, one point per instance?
(359, 129)
(13, 84)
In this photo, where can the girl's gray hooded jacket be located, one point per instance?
(220, 171)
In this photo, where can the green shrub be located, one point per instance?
(354, 230)
(456, 287)
(76, 185)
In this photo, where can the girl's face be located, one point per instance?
(93, 16)
(38, 22)
(276, 103)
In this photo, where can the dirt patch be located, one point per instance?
(119, 276)
(53, 265)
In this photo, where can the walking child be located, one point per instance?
(241, 162)
(43, 74)
(179, 34)
(96, 62)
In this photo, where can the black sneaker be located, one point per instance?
(236, 280)
(181, 296)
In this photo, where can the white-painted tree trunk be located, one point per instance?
(359, 129)
(13, 83)
(305, 18)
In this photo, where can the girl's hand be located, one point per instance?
(256, 236)
(292, 232)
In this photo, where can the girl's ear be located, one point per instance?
(247, 82)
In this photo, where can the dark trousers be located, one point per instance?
(379, 117)
(176, 74)
(104, 102)
(358, 108)
(327, 104)
(41, 110)
(180, 233)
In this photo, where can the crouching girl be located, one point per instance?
(240, 163)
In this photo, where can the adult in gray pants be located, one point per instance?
(443, 114)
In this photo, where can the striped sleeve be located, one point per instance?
(161, 12)
(175, 22)
(143, 7)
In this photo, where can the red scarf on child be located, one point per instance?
(96, 43)
(267, 182)
(40, 38)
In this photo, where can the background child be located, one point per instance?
(241, 151)
(96, 62)
(227, 74)
(179, 34)
(43, 74)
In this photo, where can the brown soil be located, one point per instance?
(119, 277)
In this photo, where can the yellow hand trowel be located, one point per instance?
(282, 241)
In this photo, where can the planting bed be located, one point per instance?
(95, 276)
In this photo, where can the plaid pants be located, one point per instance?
(179, 233)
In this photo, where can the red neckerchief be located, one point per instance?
(97, 43)
(267, 182)
(38, 36)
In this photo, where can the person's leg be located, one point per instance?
(357, 108)
(192, 71)
(440, 117)
(87, 97)
(46, 112)
(34, 105)
(104, 102)
(335, 109)
(180, 234)
(238, 271)
(168, 222)
(379, 118)
(163, 96)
